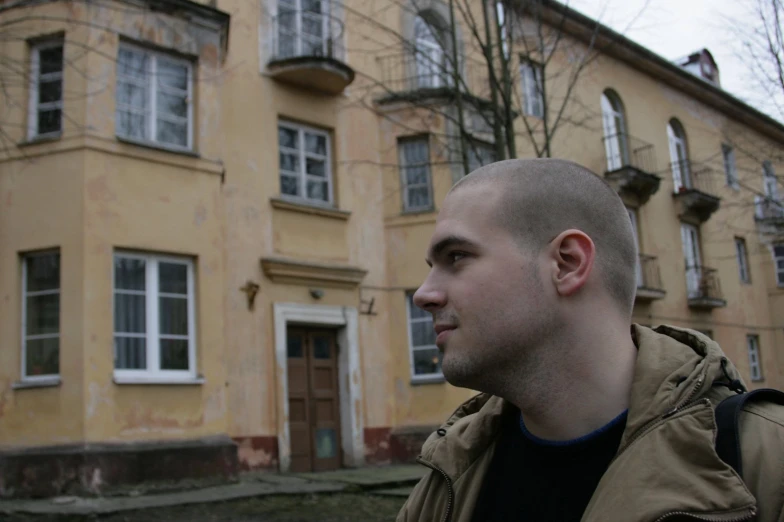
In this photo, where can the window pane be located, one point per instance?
(174, 133)
(287, 32)
(778, 250)
(288, 138)
(422, 334)
(416, 175)
(313, 6)
(51, 91)
(294, 346)
(427, 361)
(172, 75)
(289, 185)
(173, 315)
(43, 272)
(326, 443)
(418, 197)
(50, 60)
(132, 94)
(780, 264)
(130, 353)
(316, 167)
(315, 143)
(132, 63)
(129, 273)
(43, 314)
(289, 162)
(173, 278)
(318, 190)
(49, 121)
(130, 313)
(414, 311)
(174, 354)
(131, 125)
(173, 105)
(321, 348)
(42, 357)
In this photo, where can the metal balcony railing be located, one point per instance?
(623, 150)
(703, 283)
(414, 71)
(768, 208)
(693, 176)
(648, 274)
(305, 33)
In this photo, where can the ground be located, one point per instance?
(336, 507)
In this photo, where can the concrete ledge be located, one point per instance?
(91, 469)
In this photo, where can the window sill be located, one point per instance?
(418, 211)
(49, 382)
(427, 379)
(37, 140)
(306, 208)
(156, 146)
(194, 381)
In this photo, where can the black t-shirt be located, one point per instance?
(534, 480)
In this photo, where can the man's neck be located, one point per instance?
(587, 384)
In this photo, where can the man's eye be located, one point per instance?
(456, 256)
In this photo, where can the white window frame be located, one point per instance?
(770, 181)
(690, 239)
(614, 126)
(730, 166)
(404, 177)
(743, 260)
(430, 57)
(755, 362)
(776, 259)
(531, 83)
(25, 295)
(299, 37)
(153, 373)
(152, 107)
(35, 79)
(679, 156)
(418, 377)
(303, 154)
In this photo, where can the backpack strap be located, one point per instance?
(727, 417)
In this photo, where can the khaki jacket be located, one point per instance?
(666, 467)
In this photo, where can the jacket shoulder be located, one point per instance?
(762, 451)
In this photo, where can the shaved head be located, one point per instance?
(543, 197)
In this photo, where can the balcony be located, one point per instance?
(695, 190)
(769, 214)
(649, 283)
(309, 52)
(704, 289)
(414, 76)
(631, 164)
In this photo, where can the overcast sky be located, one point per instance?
(676, 28)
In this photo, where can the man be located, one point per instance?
(531, 288)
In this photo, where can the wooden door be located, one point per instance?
(314, 401)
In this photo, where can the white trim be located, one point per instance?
(679, 156)
(151, 108)
(302, 155)
(350, 380)
(23, 363)
(743, 260)
(153, 373)
(531, 77)
(143, 379)
(35, 76)
(730, 166)
(755, 363)
(403, 166)
(420, 377)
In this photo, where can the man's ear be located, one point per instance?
(573, 253)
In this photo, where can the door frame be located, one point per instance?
(349, 376)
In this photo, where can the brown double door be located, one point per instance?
(314, 401)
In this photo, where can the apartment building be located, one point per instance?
(214, 215)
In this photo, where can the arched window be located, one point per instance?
(614, 125)
(679, 155)
(429, 56)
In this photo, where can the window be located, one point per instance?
(755, 363)
(691, 253)
(480, 153)
(415, 174)
(304, 28)
(770, 181)
(778, 257)
(533, 89)
(40, 315)
(305, 169)
(743, 260)
(425, 356)
(154, 333)
(679, 157)
(46, 90)
(431, 65)
(730, 170)
(614, 125)
(636, 233)
(154, 98)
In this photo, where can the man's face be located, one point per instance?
(486, 293)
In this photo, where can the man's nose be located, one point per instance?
(428, 297)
